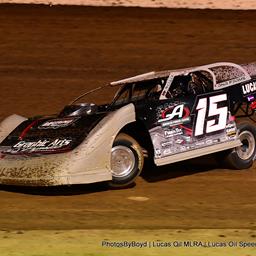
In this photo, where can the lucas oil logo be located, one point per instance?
(248, 88)
(174, 115)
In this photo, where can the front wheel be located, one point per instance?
(126, 160)
(242, 157)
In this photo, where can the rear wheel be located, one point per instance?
(242, 157)
(126, 160)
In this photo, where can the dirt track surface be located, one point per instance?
(50, 55)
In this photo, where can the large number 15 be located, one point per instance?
(213, 111)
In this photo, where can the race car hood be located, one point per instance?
(49, 135)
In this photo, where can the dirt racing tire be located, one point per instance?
(127, 161)
(242, 157)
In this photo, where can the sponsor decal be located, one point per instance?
(250, 98)
(230, 125)
(209, 142)
(174, 115)
(231, 130)
(57, 123)
(248, 88)
(179, 141)
(166, 144)
(38, 146)
(166, 87)
(172, 133)
(230, 82)
(167, 152)
(222, 139)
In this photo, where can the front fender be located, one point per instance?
(94, 154)
(87, 163)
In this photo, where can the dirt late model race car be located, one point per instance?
(168, 116)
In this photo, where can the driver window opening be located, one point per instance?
(194, 83)
(151, 89)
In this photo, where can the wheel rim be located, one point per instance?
(122, 161)
(246, 150)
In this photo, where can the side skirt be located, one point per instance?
(197, 152)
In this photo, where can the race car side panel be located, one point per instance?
(9, 124)
(189, 127)
(87, 163)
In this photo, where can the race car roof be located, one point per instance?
(143, 77)
(221, 71)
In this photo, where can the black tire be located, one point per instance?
(242, 157)
(127, 161)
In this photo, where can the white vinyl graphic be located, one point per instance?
(201, 114)
(213, 111)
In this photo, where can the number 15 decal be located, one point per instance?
(204, 126)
